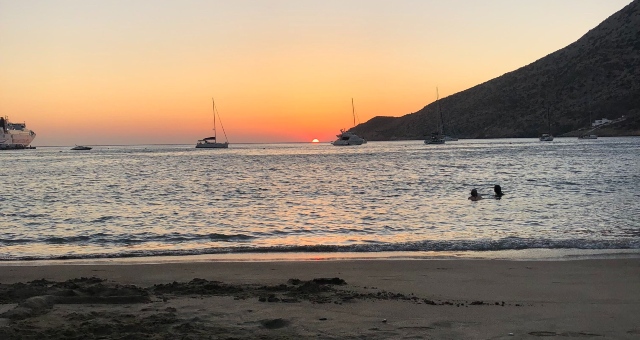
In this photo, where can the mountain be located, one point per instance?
(597, 76)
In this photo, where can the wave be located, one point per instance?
(102, 239)
(511, 243)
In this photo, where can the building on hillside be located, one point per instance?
(600, 122)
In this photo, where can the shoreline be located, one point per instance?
(505, 255)
(323, 299)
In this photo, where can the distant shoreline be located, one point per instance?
(325, 142)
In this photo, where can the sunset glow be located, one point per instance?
(144, 72)
(315, 141)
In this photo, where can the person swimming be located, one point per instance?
(474, 195)
(497, 192)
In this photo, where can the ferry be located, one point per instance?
(15, 135)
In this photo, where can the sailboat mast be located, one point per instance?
(590, 113)
(213, 108)
(353, 112)
(440, 112)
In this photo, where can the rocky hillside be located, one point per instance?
(597, 76)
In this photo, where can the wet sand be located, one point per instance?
(356, 299)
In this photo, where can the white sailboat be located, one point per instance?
(212, 142)
(547, 137)
(437, 137)
(346, 138)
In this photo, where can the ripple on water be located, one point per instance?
(141, 201)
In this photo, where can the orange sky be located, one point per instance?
(143, 71)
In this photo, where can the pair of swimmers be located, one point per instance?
(497, 190)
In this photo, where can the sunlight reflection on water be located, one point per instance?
(162, 200)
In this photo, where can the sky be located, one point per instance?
(121, 72)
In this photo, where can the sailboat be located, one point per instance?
(437, 137)
(547, 137)
(212, 142)
(346, 138)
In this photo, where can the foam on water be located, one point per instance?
(381, 197)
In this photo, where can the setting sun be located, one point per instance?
(120, 76)
(315, 141)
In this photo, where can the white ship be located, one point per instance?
(14, 135)
(346, 138)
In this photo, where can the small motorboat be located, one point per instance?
(81, 147)
(546, 137)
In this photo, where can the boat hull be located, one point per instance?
(431, 142)
(347, 143)
(546, 138)
(212, 146)
(15, 135)
(435, 139)
(346, 138)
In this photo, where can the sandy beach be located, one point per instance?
(337, 299)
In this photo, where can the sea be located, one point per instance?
(563, 199)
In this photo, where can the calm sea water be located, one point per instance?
(140, 201)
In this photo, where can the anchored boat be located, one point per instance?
(547, 137)
(346, 138)
(437, 137)
(14, 135)
(212, 142)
